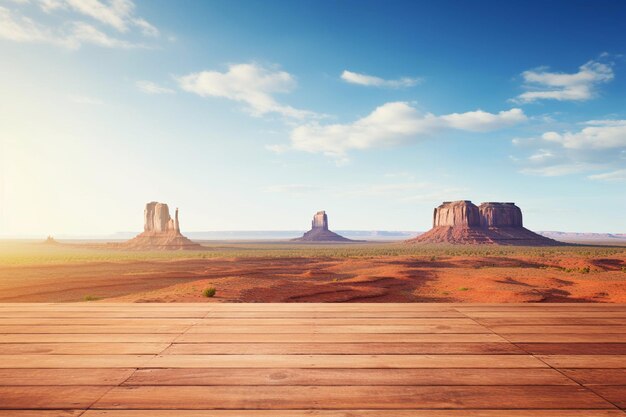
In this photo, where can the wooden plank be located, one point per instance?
(342, 361)
(564, 338)
(41, 413)
(322, 322)
(596, 376)
(574, 348)
(559, 329)
(74, 361)
(342, 376)
(351, 413)
(338, 348)
(105, 314)
(521, 320)
(336, 314)
(616, 394)
(82, 348)
(94, 376)
(585, 361)
(547, 314)
(99, 321)
(88, 338)
(336, 338)
(50, 397)
(461, 328)
(339, 397)
(133, 329)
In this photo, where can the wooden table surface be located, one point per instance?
(326, 360)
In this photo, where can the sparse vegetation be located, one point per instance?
(32, 253)
(90, 298)
(463, 288)
(209, 292)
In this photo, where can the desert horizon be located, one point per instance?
(322, 208)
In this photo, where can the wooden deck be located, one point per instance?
(325, 360)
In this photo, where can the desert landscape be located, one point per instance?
(320, 208)
(288, 272)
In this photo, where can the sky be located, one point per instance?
(253, 115)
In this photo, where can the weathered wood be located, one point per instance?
(585, 361)
(338, 348)
(596, 376)
(340, 397)
(325, 360)
(104, 348)
(337, 338)
(342, 376)
(65, 376)
(316, 329)
(337, 361)
(574, 348)
(74, 361)
(351, 413)
(50, 397)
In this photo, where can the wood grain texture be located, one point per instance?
(338, 397)
(326, 360)
(352, 413)
(339, 376)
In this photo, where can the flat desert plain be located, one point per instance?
(287, 272)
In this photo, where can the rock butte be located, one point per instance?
(462, 222)
(319, 231)
(160, 231)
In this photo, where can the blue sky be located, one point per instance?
(252, 115)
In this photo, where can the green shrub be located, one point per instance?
(90, 298)
(209, 292)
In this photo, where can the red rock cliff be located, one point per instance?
(456, 213)
(500, 215)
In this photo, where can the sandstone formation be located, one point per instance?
(160, 231)
(319, 231)
(462, 222)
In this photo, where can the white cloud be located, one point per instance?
(390, 125)
(607, 134)
(372, 81)
(599, 145)
(480, 121)
(561, 169)
(251, 84)
(541, 155)
(86, 33)
(579, 86)
(617, 175)
(149, 87)
(72, 33)
(118, 14)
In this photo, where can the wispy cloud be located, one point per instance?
(373, 81)
(598, 146)
(579, 86)
(251, 84)
(71, 33)
(149, 87)
(617, 175)
(392, 124)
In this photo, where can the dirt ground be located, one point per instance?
(324, 279)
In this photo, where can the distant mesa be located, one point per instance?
(462, 222)
(50, 241)
(160, 231)
(319, 231)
